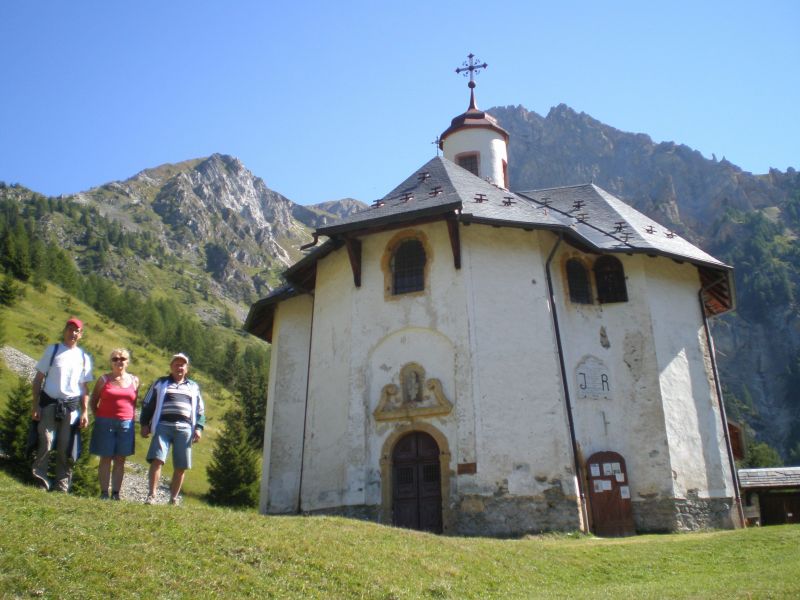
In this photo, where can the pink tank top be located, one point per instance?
(117, 402)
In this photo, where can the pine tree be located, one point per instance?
(9, 291)
(14, 424)
(233, 472)
(251, 391)
(84, 471)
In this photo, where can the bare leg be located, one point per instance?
(177, 483)
(118, 473)
(104, 473)
(154, 475)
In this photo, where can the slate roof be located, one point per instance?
(779, 477)
(608, 224)
(586, 213)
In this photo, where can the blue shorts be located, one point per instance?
(177, 435)
(112, 437)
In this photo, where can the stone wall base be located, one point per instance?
(663, 515)
(512, 516)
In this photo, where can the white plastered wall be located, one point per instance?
(522, 434)
(327, 460)
(693, 423)
(283, 426)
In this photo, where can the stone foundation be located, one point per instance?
(511, 516)
(664, 515)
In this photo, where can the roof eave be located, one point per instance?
(261, 316)
(389, 219)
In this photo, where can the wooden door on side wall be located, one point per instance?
(417, 483)
(780, 507)
(609, 495)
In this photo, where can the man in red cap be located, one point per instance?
(60, 400)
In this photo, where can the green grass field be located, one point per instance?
(38, 320)
(55, 546)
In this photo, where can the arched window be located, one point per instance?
(610, 277)
(580, 292)
(469, 161)
(408, 267)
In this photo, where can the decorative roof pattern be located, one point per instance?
(779, 477)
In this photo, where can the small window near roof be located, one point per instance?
(610, 277)
(580, 292)
(408, 267)
(469, 162)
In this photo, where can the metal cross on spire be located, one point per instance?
(437, 142)
(471, 67)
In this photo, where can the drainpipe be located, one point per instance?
(299, 509)
(718, 387)
(573, 440)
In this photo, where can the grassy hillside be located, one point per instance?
(38, 320)
(54, 546)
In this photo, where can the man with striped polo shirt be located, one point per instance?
(173, 411)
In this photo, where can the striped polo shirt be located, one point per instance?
(177, 403)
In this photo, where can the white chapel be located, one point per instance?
(465, 359)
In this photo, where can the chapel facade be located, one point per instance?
(464, 359)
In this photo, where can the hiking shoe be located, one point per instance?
(150, 500)
(115, 495)
(41, 482)
(104, 496)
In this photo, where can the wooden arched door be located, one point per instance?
(610, 495)
(417, 483)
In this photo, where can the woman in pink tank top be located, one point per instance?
(113, 402)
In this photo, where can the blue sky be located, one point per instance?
(326, 100)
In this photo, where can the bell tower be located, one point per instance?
(474, 140)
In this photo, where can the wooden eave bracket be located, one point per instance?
(717, 296)
(455, 240)
(354, 254)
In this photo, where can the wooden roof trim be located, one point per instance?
(718, 294)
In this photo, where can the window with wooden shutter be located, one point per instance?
(580, 289)
(610, 278)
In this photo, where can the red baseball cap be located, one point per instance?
(76, 322)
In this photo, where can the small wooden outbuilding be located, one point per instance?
(771, 496)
